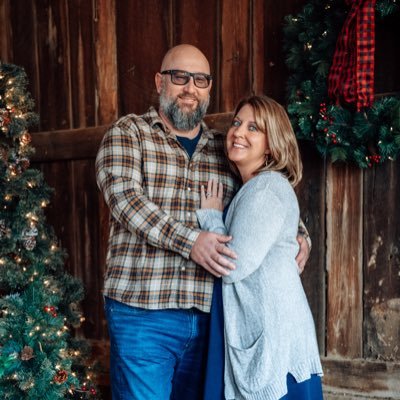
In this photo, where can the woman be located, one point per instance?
(270, 346)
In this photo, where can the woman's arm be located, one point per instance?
(256, 221)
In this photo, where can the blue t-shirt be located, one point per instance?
(189, 144)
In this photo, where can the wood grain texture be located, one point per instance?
(311, 193)
(344, 260)
(6, 48)
(69, 144)
(106, 61)
(53, 61)
(257, 34)
(382, 262)
(81, 43)
(143, 36)
(236, 50)
(361, 379)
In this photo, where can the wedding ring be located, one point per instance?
(208, 194)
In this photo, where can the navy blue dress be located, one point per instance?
(214, 382)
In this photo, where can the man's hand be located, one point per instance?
(209, 250)
(303, 254)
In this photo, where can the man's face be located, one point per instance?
(184, 105)
(182, 102)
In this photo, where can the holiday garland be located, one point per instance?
(340, 132)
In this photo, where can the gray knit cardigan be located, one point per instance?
(269, 329)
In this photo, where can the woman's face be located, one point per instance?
(246, 145)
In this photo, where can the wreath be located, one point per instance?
(357, 128)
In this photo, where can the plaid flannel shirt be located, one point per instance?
(152, 189)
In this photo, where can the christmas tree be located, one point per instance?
(39, 300)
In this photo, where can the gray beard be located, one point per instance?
(182, 121)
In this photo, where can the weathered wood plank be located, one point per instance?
(69, 144)
(382, 262)
(257, 42)
(24, 42)
(311, 195)
(361, 379)
(81, 43)
(58, 213)
(83, 143)
(105, 25)
(87, 241)
(143, 36)
(106, 61)
(235, 64)
(54, 65)
(6, 48)
(344, 260)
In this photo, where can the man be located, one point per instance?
(160, 265)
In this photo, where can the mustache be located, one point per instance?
(188, 96)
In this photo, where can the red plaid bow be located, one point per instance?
(351, 77)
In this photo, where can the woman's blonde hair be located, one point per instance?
(272, 119)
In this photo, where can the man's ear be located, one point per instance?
(158, 81)
(210, 86)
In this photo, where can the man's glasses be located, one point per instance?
(179, 77)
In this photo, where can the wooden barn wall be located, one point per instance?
(89, 62)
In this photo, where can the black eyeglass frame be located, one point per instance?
(187, 75)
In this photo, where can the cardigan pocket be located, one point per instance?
(250, 366)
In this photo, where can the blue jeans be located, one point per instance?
(156, 354)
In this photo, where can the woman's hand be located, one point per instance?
(212, 198)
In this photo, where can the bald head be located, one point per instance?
(187, 58)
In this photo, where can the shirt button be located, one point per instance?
(189, 214)
(189, 188)
(183, 268)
